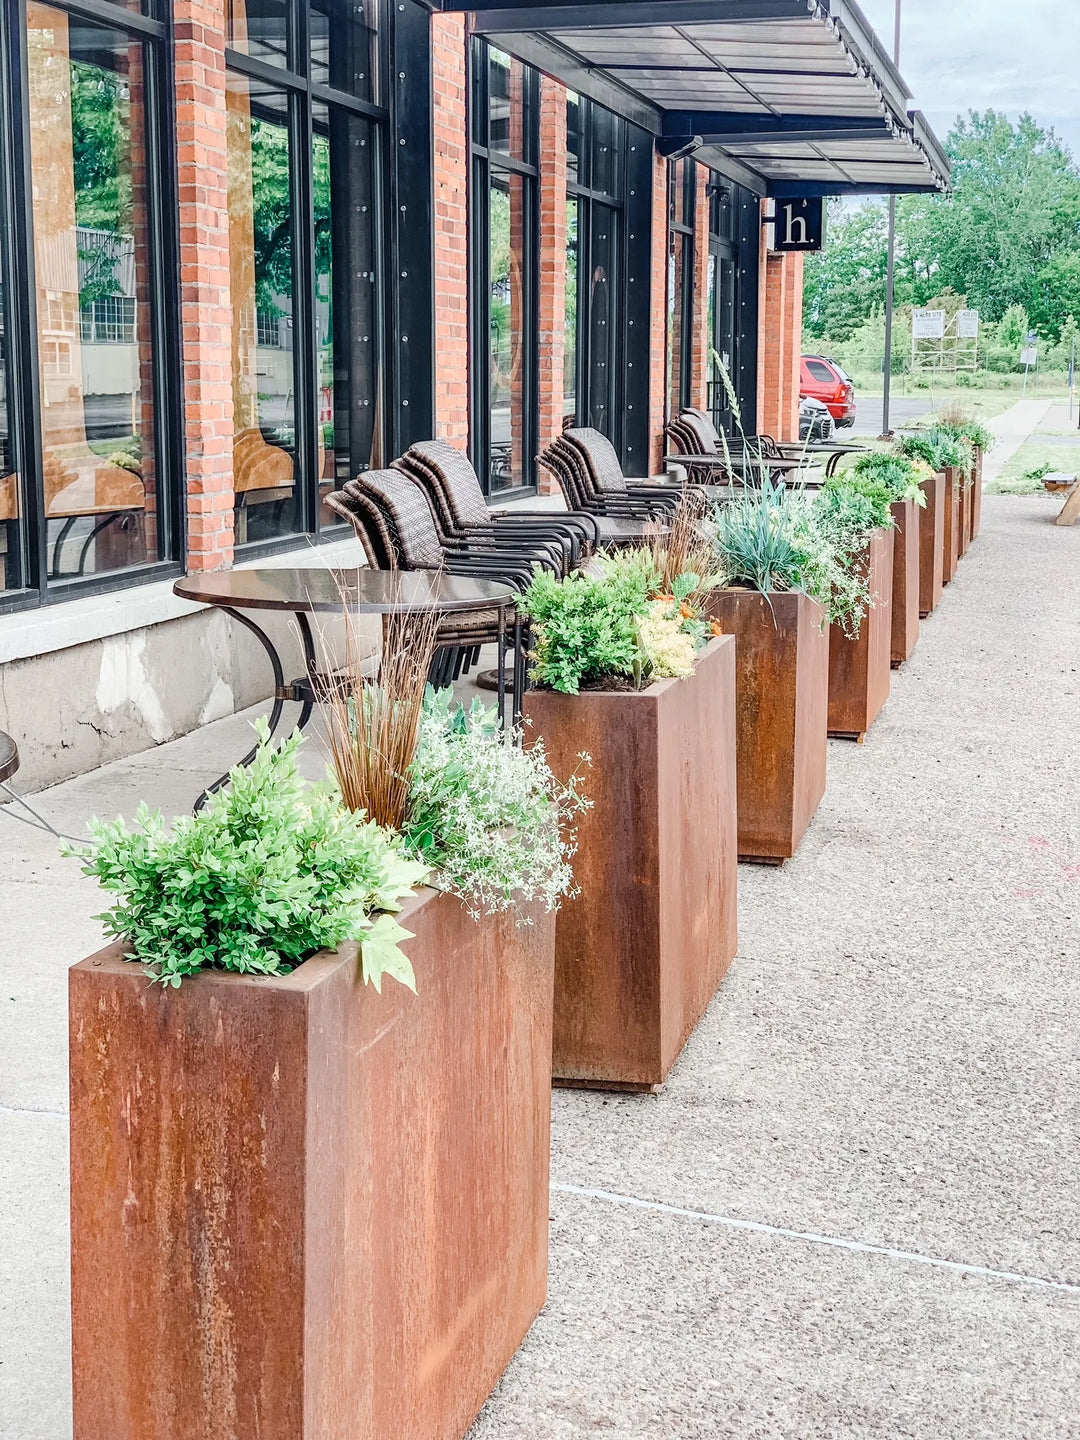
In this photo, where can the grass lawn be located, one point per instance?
(1015, 480)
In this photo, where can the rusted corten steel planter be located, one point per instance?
(860, 669)
(781, 715)
(302, 1210)
(905, 586)
(932, 545)
(977, 495)
(966, 494)
(642, 949)
(953, 482)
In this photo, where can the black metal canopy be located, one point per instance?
(789, 97)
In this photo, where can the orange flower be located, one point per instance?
(686, 611)
(717, 628)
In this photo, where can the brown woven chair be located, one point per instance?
(454, 489)
(605, 472)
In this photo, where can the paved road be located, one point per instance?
(903, 409)
(853, 1211)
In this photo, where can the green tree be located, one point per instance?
(1007, 234)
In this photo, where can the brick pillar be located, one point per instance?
(781, 346)
(449, 42)
(206, 318)
(552, 261)
(658, 315)
(699, 379)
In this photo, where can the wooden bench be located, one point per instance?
(1061, 480)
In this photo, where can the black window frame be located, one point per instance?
(629, 199)
(17, 255)
(303, 94)
(734, 240)
(485, 164)
(682, 222)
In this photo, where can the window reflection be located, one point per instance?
(509, 327)
(11, 526)
(261, 279)
(570, 344)
(259, 28)
(346, 315)
(342, 45)
(91, 253)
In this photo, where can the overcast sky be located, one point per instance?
(959, 55)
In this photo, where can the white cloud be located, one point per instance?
(959, 55)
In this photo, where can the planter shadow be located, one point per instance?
(906, 575)
(932, 545)
(642, 949)
(860, 668)
(301, 1208)
(781, 715)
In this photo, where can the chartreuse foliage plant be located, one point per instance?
(489, 817)
(614, 621)
(900, 477)
(937, 447)
(270, 871)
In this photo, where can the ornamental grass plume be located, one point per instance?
(374, 725)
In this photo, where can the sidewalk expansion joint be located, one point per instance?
(807, 1236)
(32, 1110)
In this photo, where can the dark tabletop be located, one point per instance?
(620, 530)
(378, 592)
(9, 756)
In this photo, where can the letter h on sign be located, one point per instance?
(798, 224)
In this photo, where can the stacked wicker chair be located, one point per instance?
(695, 434)
(588, 472)
(394, 523)
(457, 500)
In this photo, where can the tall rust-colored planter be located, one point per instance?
(781, 715)
(953, 482)
(906, 574)
(642, 949)
(966, 497)
(932, 545)
(860, 668)
(301, 1209)
(977, 495)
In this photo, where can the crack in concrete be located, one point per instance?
(837, 1242)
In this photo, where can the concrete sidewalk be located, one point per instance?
(1013, 427)
(853, 1211)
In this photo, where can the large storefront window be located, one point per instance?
(680, 281)
(504, 385)
(304, 184)
(723, 373)
(84, 492)
(595, 141)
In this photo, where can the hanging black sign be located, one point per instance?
(799, 224)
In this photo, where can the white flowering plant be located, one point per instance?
(488, 817)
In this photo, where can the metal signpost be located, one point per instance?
(1029, 356)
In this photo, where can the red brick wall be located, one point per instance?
(206, 317)
(449, 42)
(552, 296)
(701, 338)
(780, 345)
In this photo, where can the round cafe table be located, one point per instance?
(319, 590)
(9, 757)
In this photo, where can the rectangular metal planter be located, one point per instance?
(781, 715)
(905, 588)
(953, 482)
(641, 951)
(860, 668)
(301, 1209)
(977, 496)
(966, 491)
(932, 545)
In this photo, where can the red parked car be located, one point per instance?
(824, 380)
